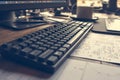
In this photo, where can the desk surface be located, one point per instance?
(8, 35)
(74, 68)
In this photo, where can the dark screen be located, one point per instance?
(6, 5)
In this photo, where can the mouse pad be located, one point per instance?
(100, 27)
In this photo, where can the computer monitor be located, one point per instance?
(108, 5)
(112, 5)
(7, 7)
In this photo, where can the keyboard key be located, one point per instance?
(33, 39)
(34, 46)
(42, 48)
(28, 42)
(39, 43)
(59, 54)
(15, 48)
(50, 43)
(61, 42)
(66, 46)
(25, 51)
(46, 45)
(58, 45)
(54, 47)
(22, 39)
(72, 41)
(52, 60)
(34, 53)
(23, 44)
(63, 49)
(45, 54)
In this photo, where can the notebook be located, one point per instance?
(112, 24)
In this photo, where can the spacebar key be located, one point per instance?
(76, 37)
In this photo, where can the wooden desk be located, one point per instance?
(9, 34)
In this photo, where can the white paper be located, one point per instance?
(113, 24)
(100, 47)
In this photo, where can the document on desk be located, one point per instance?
(101, 47)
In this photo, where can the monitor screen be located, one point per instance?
(6, 5)
(8, 8)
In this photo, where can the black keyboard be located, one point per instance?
(47, 49)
